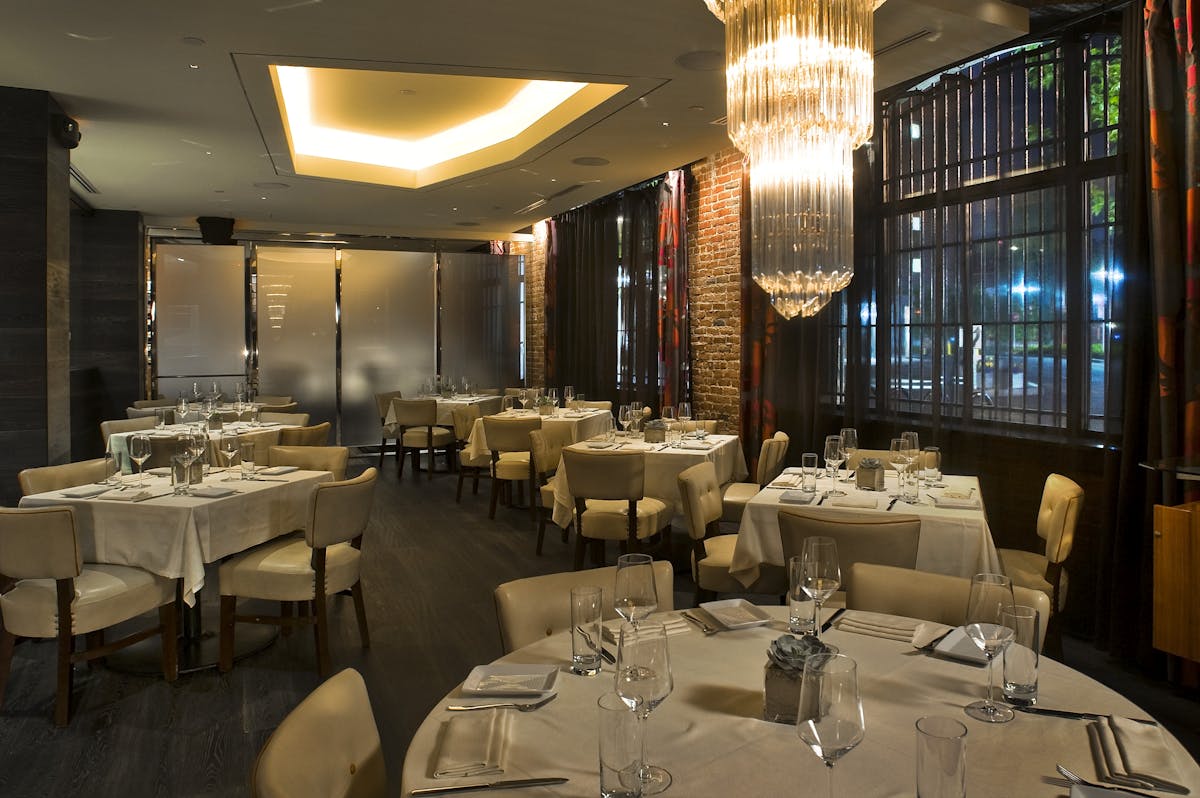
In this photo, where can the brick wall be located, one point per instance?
(535, 306)
(714, 286)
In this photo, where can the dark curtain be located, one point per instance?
(1162, 392)
(616, 296)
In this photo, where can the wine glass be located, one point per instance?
(684, 414)
(635, 595)
(644, 681)
(552, 395)
(199, 444)
(849, 437)
(139, 452)
(568, 396)
(186, 454)
(625, 417)
(830, 718)
(207, 408)
(215, 392)
(524, 397)
(196, 394)
(821, 571)
(991, 594)
(229, 449)
(181, 408)
(833, 460)
(900, 455)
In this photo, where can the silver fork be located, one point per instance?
(1070, 776)
(504, 705)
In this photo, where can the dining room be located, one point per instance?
(576, 343)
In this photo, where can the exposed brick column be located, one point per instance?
(714, 287)
(535, 308)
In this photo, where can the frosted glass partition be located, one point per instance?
(199, 316)
(297, 328)
(481, 318)
(388, 331)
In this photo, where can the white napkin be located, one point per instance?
(213, 491)
(786, 481)
(274, 471)
(674, 625)
(85, 491)
(954, 503)
(473, 744)
(855, 501)
(797, 497)
(127, 495)
(702, 445)
(892, 627)
(1132, 754)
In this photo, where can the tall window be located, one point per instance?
(997, 287)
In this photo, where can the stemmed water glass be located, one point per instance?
(644, 681)
(684, 414)
(635, 416)
(524, 397)
(186, 455)
(901, 457)
(635, 595)
(181, 408)
(207, 408)
(822, 574)
(552, 395)
(625, 417)
(830, 719)
(229, 450)
(833, 460)
(139, 452)
(991, 594)
(568, 396)
(849, 436)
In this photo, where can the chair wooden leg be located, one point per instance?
(65, 677)
(495, 496)
(7, 642)
(285, 611)
(170, 641)
(580, 544)
(228, 608)
(382, 449)
(416, 463)
(462, 474)
(400, 452)
(597, 553)
(360, 609)
(541, 535)
(321, 637)
(475, 483)
(94, 640)
(431, 458)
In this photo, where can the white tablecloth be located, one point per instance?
(710, 736)
(174, 536)
(118, 442)
(488, 404)
(955, 542)
(662, 471)
(583, 425)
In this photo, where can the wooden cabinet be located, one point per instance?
(1177, 580)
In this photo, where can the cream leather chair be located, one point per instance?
(862, 536)
(272, 400)
(161, 401)
(283, 417)
(610, 502)
(735, 495)
(508, 439)
(60, 477)
(546, 447)
(464, 421)
(416, 424)
(883, 455)
(1058, 515)
(58, 596)
(151, 412)
(263, 440)
(108, 428)
(283, 407)
(327, 747)
(309, 569)
(709, 426)
(316, 435)
(712, 552)
(387, 432)
(312, 458)
(921, 594)
(597, 405)
(539, 606)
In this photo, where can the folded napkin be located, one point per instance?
(86, 491)
(212, 491)
(892, 627)
(786, 481)
(694, 444)
(274, 471)
(598, 444)
(797, 497)
(955, 502)
(855, 501)
(1132, 754)
(675, 625)
(473, 744)
(159, 472)
(127, 495)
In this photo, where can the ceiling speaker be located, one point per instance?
(66, 131)
(215, 229)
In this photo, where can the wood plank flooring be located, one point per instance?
(429, 570)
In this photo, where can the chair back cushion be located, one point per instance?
(928, 596)
(272, 400)
(279, 417)
(150, 412)
(882, 455)
(771, 457)
(161, 401)
(313, 458)
(1062, 499)
(383, 401)
(339, 511)
(107, 428)
(597, 405)
(608, 474)
(464, 420)
(327, 746)
(701, 496)
(286, 407)
(263, 440)
(58, 477)
(510, 434)
(414, 412)
(39, 543)
(883, 538)
(539, 606)
(546, 447)
(316, 435)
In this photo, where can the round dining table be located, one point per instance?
(710, 735)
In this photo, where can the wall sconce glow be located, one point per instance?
(531, 103)
(914, 131)
(916, 265)
(1113, 276)
(1022, 289)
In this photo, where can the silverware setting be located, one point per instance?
(704, 627)
(604, 653)
(837, 614)
(520, 707)
(1069, 776)
(824, 496)
(1066, 713)
(892, 503)
(508, 784)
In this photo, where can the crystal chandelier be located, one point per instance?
(799, 83)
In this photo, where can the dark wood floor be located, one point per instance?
(429, 570)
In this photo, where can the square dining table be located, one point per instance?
(118, 442)
(954, 541)
(663, 464)
(583, 424)
(487, 403)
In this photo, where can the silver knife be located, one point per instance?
(1066, 713)
(509, 784)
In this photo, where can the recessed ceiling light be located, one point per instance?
(193, 66)
(666, 124)
(590, 160)
(262, 198)
(702, 60)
